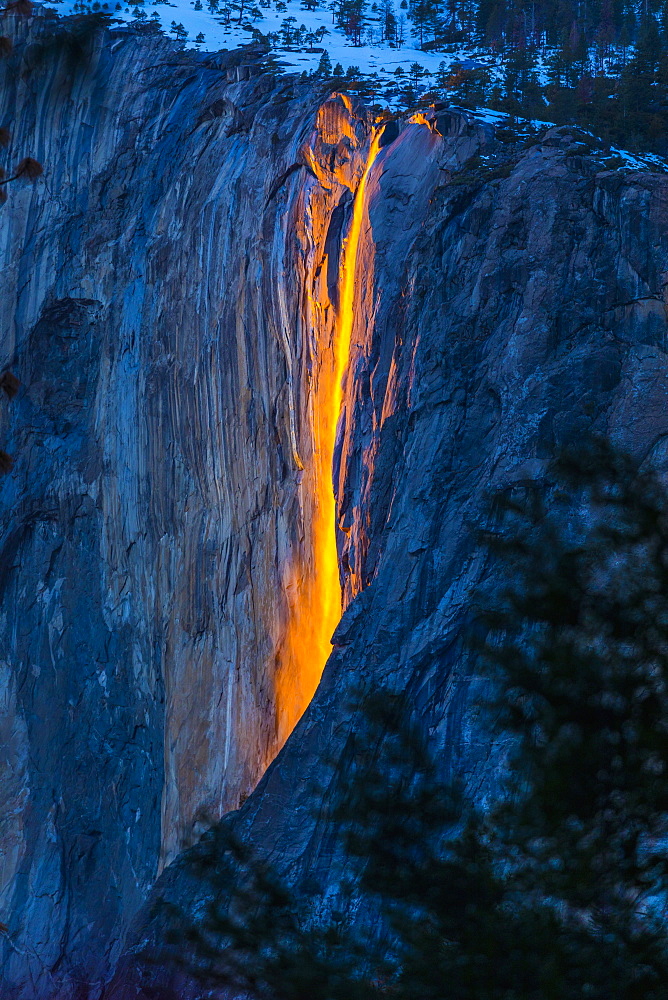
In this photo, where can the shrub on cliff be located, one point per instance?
(559, 890)
(27, 168)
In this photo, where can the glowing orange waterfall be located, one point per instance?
(347, 298)
(315, 603)
(326, 546)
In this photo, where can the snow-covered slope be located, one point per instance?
(227, 31)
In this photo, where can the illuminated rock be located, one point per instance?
(164, 620)
(508, 301)
(171, 309)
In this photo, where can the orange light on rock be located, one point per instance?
(316, 605)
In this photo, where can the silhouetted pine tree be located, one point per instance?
(325, 65)
(426, 17)
(559, 892)
(350, 16)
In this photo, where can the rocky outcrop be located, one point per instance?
(172, 289)
(157, 640)
(511, 300)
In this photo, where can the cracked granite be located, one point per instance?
(159, 311)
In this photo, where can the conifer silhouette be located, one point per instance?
(558, 891)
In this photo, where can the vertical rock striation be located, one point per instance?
(166, 309)
(511, 299)
(172, 290)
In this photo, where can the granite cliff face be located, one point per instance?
(172, 307)
(157, 529)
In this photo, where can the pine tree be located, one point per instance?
(325, 65)
(494, 34)
(664, 25)
(558, 892)
(426, 17)
(648, 48)
(522, 92)
(289, 32)
(350, 17)
(605, 33)
(388, 21)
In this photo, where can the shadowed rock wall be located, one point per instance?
(511, 300)
(155, 532)
(169, 315)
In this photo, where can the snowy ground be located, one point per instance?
(371, 57)
(217, 31)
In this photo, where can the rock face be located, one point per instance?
(170, 309)
(158, 563)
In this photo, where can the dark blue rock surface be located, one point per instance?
(159, 314)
